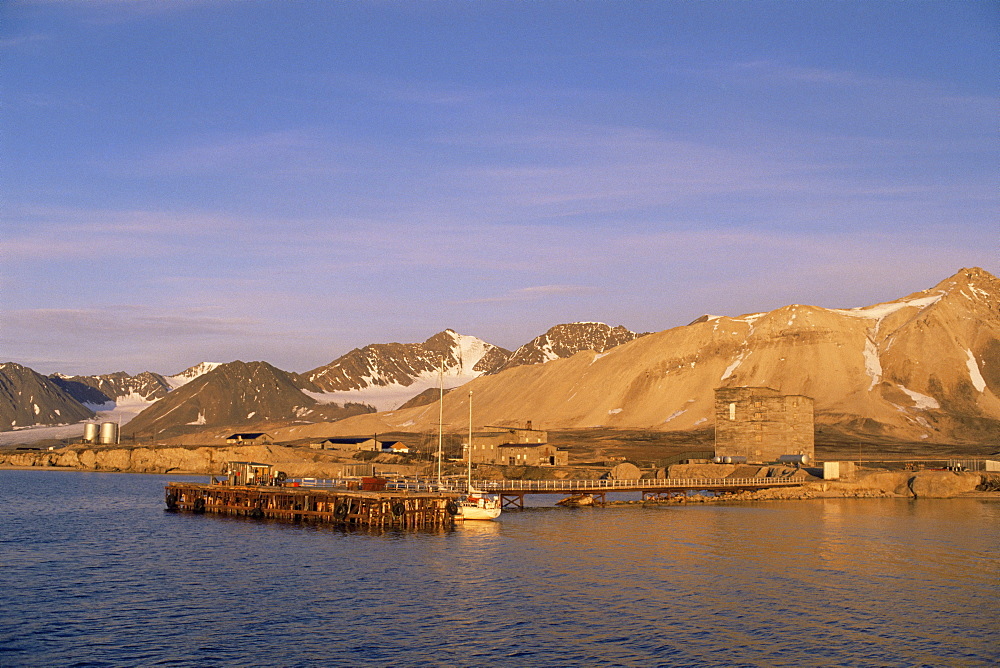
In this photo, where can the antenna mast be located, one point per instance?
(440, 418)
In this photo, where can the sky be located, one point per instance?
(211, 180)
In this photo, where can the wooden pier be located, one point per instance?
(347, 507)
(512, 492)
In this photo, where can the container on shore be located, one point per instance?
(90, 432)
(109, 433)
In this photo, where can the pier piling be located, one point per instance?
(377, 509)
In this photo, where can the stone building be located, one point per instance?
(762, 424)
(362, 443)
(516, 446)
(538, 454)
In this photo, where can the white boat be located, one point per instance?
(475, 505)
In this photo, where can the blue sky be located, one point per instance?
(216, 180)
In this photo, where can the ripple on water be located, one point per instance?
(95, 573)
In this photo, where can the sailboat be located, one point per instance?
(475, 505)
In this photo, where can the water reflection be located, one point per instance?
(95, 572)
(479, 529)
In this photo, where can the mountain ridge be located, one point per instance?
(922, 367)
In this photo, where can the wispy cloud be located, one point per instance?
(776, 70)
(121, 321)
(533, 293)
(53, 233)
(20, 40)
(276, 152)
(109, 12)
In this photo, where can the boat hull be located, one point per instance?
(477, 513)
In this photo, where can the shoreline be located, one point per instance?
(867, 484)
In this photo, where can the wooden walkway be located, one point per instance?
(399, 509)
(512, 492)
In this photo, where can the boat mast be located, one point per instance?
(440, 418)
(469, 454)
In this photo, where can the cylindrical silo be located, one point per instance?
(90, 431)
(109, 433)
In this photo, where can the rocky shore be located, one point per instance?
(203, 460)
(867, 485)
(302, 462)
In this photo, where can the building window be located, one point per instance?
(732, 411)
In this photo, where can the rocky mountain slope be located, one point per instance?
(924, 367)
(387, 374)
(28, 398)
(567, 340)
(146, 387)
(378, 375)
(237, 394)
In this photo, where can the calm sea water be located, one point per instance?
(93, 572)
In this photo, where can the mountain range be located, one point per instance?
(922, 368)
(925, 367)
(377, 376)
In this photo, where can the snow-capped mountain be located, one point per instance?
(116, 396)
(567, 340)
(385, 375)
(925, 367)
(120, 396)
(381, 375)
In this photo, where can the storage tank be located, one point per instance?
(90, 431)
(794, 459)
(109, 433)
(734, 459)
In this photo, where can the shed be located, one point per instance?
(249, 438)
(366, 443)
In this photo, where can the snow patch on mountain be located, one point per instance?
(186, 376)
(978, 291)
(975, 375)
(734, 365)
(125, 408)
(921, 401)
(676, 414)
(873, 365)
(880, 311)
(394, 395)
(469, 350)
